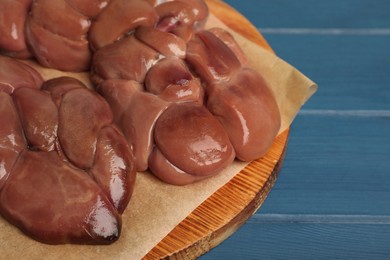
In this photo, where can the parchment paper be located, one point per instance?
(156, 208)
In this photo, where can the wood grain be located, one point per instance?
(227, 209)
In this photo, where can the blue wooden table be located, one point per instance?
(332, 198)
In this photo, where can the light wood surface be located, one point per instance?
(227, 209)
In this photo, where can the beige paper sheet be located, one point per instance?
(156, 208)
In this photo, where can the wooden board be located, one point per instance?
(210, 223)
(227, 209)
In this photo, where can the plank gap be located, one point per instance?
(321, 219)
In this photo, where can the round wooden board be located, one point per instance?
(227, 209)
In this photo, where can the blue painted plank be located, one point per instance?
(335, 164)
(353, 72)
(315, 13)
(332, 195)
(257, 240)
(331, 200)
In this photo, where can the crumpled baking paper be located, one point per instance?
(156, 208)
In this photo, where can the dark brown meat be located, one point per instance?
(57, 33)
(169, 173)
(229, 41)
(60, 18)
(39, 117)
(186, 101)
(12, 141)
(74, 55)
(172, 81)
(173, 14)
(182, 17)
(119, 93)
(125, 59)
(130, 57)
(60, 33)
(12, 20)
(165, 43)
(247, 109)
(66, 172)
(91, 142)
(191, 140)
(200, 11)
(137, 123)
(57, 87)
(113, 167)
(211, 58)
(134, 117)
(15, 74)
(238, 96)
(90, 8)
(119, 18)
(81, 116)
(55, 203)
